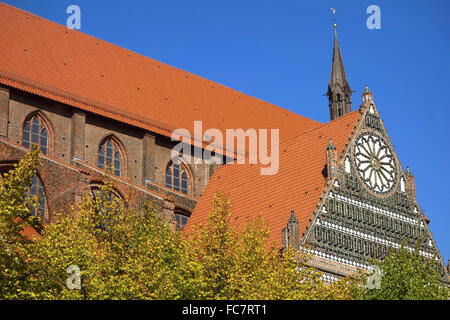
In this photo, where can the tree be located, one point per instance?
(120, 251)
(221, 262)
(406, 275)
(123, 252)
(14, 219)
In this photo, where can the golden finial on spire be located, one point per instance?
(334, 18)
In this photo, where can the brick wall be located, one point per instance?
(66, 184)
(77, 135)
(57, 117)
(4, 111)
(78, 139)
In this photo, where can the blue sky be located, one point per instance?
(280, 52)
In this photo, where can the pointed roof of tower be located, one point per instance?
(338, 76)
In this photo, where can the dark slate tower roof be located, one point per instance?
(338, 76)
(339, 91)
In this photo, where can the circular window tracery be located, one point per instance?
(375, 163)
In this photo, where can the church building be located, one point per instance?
(340, 189)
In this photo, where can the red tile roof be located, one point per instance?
(297, 186)
(50, 60)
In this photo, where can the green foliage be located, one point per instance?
(221, 262)
(14, 218)
(406, 275)
(127, 252)
(123, 253)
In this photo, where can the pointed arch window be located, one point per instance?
(107, 205)
(109, 156)
(176, 177)
(339, 105)
(182, 217)
(35, 131)
(37, 189)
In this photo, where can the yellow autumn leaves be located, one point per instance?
(123, 251)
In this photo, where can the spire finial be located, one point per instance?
(334, 18)
(367, 96)
(339, 91)
(331, 145)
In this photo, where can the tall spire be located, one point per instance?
(339, 91)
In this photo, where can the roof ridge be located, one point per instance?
(22, 11)
(287, 140)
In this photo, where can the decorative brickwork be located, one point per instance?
(357, 221)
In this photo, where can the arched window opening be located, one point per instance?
(107, 204)
(37, 189)
(35, 132)
(182, 217)
(109, 156)
(339, 105)
(177, 177)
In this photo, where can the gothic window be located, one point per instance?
(97, 192)
(319, 234)
(340, 110)
(330, 206)
(349, 211)
(37, 189)
(182, 217)
(177, 177)
(109, 156)
(107, 204)
(339, 208)
(35, 132)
